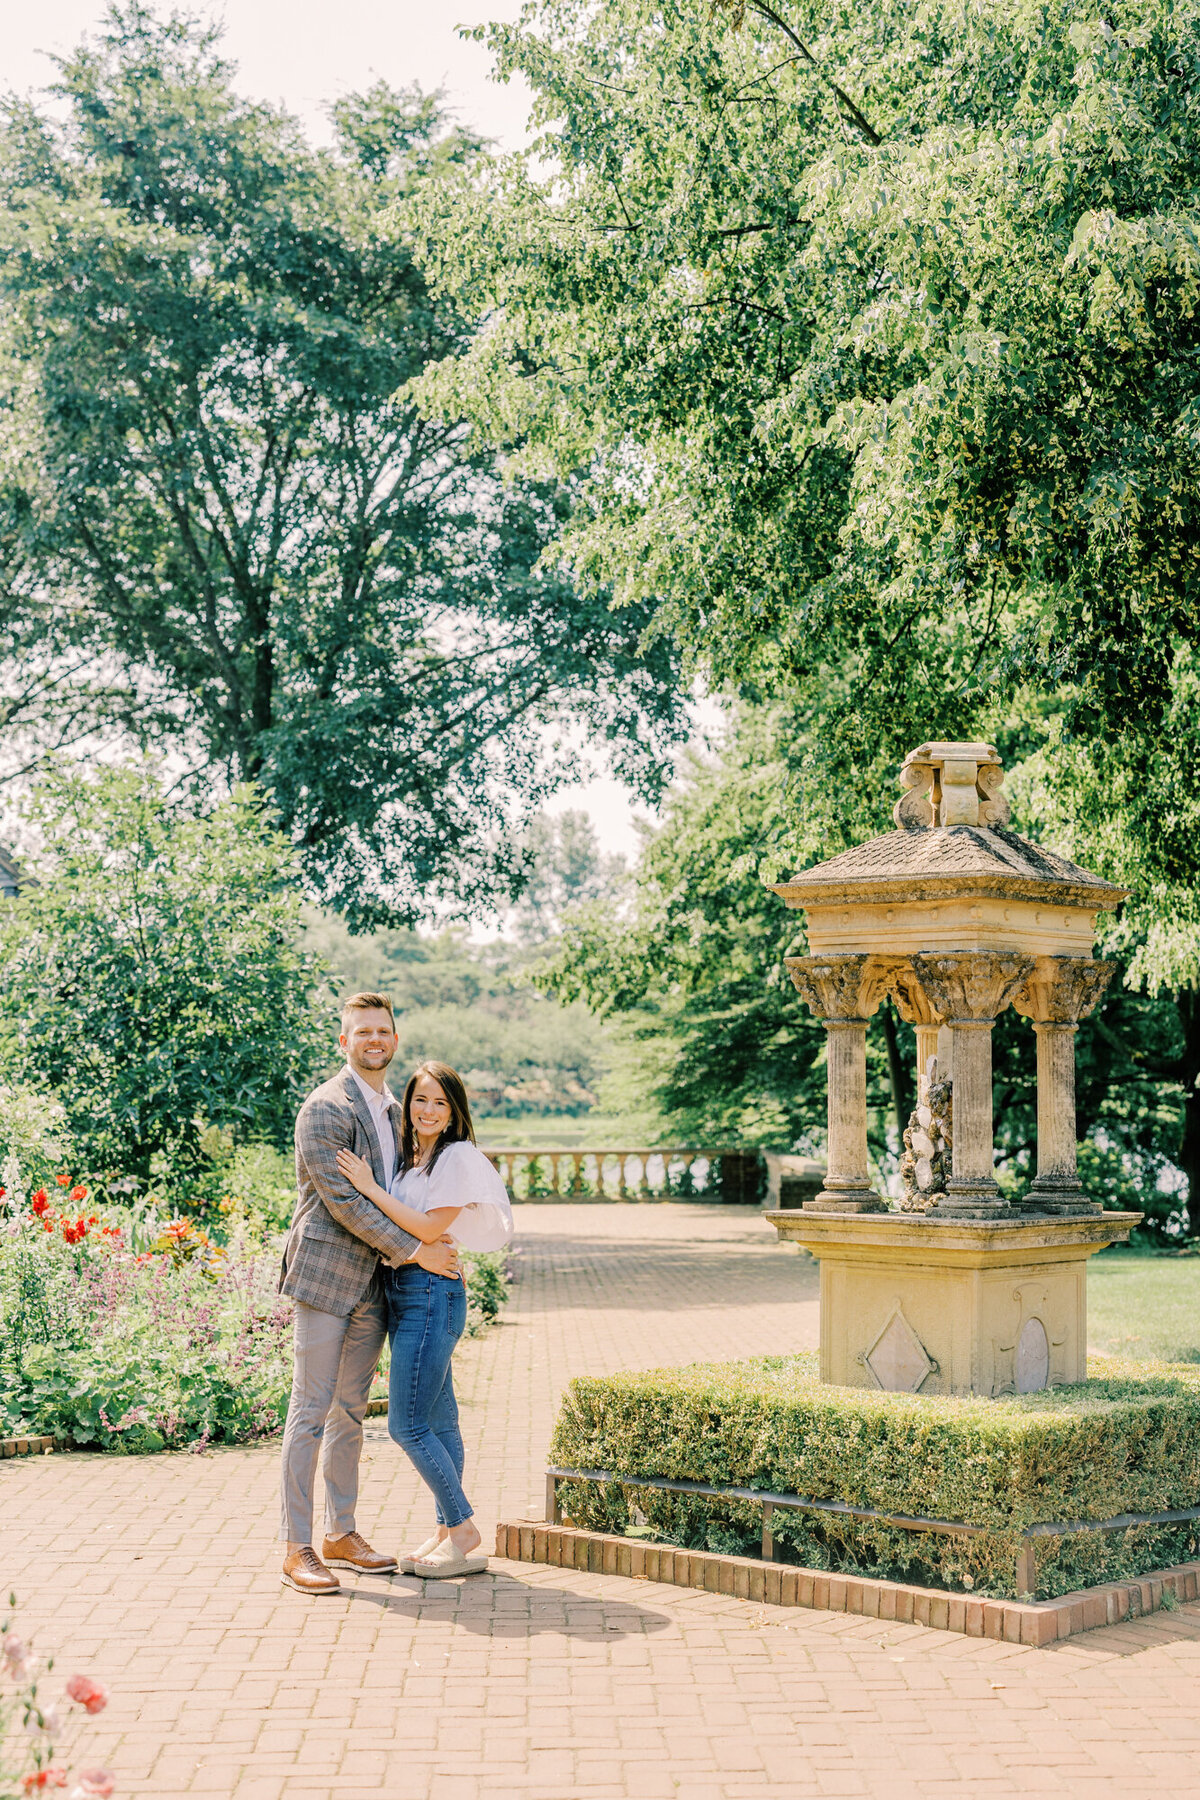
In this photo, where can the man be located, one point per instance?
(331, 1268)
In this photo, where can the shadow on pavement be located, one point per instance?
(499, 1606)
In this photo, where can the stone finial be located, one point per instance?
(950, 784)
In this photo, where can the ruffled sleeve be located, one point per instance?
(464, 1177)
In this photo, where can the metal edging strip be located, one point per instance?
(799, 1503)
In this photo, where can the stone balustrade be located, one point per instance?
(722, 1175)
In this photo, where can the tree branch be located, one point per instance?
(850, 111)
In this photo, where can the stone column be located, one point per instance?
(1060, 991)
(916, 1008)
(843, 991)
(968, 988)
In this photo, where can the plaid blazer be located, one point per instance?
(337, 1237)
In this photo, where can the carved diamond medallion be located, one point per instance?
(898, 1359)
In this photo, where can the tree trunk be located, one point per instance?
(899, 1070)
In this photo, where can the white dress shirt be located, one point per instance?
(377, 1106)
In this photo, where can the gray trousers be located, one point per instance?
(335, 1359)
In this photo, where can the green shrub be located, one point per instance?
(1125, 1441)
(34, 1142)
(487, 1287)
(258, 1186)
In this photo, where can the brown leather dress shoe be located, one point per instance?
(304, 1571)
(354, 1552)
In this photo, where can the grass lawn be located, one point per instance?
(588, 1131)
(1140, 1305)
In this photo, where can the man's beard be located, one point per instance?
(356, 1063)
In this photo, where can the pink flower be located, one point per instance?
(14, 1649)
(91, 1695)
(95, 1782)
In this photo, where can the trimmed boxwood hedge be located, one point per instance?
(1125, 1441)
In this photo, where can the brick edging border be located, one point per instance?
(25, 1446)
(1034, 1623)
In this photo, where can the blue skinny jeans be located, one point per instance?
(426, 1316)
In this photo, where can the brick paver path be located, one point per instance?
(161, 1575)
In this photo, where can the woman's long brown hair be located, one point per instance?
(460, 1128)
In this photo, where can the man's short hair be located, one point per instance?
(367, 1003)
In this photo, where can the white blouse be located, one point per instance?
(463, 1177)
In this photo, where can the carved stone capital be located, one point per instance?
(839, 989)
(1061, 990)
(971, 986)
(914, 1004)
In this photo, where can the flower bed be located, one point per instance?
(1125, 1441)
(122, 1332)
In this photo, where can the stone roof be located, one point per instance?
(951, 858)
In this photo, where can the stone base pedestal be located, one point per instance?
(833, 1202)
(920, 1304)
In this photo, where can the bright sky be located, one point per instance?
(304, 54)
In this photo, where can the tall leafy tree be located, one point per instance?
(153, 975)
(873, 330)
(255, 550)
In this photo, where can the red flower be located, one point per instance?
(91, 1695)
(48, 1224)
(3, 1191)
(45, 1778)
(97, 1782)
(40, 1203)
(78, 1194)
(63, 1180)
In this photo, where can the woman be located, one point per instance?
(443, 1185)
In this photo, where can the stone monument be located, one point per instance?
(959, 1291)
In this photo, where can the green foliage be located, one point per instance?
(219, 508)
(33, 1134)
(258, 1189)
(714, 1031)
(155, 977)
(487, 1274)
(475, 1007)
(912, 398)
(1125, 1441)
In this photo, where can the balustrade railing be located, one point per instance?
(633, 1175)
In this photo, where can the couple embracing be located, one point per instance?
(388, 1193)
